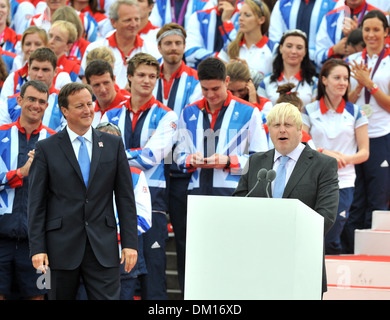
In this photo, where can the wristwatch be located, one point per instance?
(228, 163)
(373, 89)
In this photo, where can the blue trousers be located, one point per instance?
(332, 238)
(372, 190)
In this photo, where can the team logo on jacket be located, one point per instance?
(173, 125)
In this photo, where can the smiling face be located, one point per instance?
(128, 22)
(80, 112)
(293, 50)
(4, 11)
(337, 81)
(33, 105)
(374, 34)
(215, 92)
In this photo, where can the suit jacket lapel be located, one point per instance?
(303, 163)
(66, 146)
(97, 146)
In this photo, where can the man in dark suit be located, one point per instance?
(310, 176)
(71, 218)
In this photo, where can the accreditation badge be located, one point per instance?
(367, 109)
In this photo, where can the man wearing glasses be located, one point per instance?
(17, 152)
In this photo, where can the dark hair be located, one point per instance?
(327, 67)
(93, 4)
(308, 69)
(376, 14)
(43, 54)
(98, 68)
(3, 70)
(286, 95)
(70, 89)
(212, 69)
(356, 37)
(36, 84)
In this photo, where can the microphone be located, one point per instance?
(271, 175)
(261, 175)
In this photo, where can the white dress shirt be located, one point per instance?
(76, 143)
(290, 164)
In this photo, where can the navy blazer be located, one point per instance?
(63, 212)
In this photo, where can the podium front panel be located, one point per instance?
(252, 248)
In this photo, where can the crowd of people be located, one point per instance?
(188, 86)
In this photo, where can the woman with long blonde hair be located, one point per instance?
(251, 44)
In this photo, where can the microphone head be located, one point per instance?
(271, 175)
(261, 175)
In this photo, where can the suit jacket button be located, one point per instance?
(86, 200)
(86, 223)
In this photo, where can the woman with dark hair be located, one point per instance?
(355, 42)
(339, 129)
(291, 64)
(370, 86)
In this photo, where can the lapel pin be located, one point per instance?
(100, 144)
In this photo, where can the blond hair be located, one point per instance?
(101, 53)
(32, 30)
(263, 11)
(66, 27)
(282, 111)
(238, 71)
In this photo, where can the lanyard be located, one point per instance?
(181, 13)
(367, 95)
(362, 13)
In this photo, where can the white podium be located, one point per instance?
(252, 248)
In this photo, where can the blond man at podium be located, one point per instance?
(301, 172)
